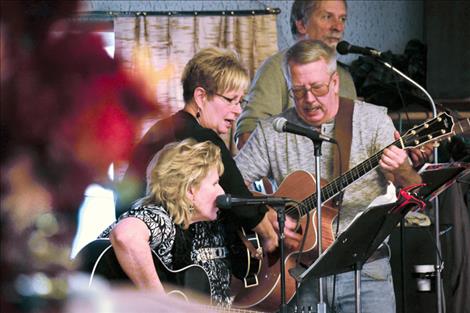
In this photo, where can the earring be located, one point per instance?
(191, 210)
(198, 114)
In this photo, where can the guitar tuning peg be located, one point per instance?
(426, 125)
(436, 144)
(449, 139)
(429, 136)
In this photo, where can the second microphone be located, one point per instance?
(281, 125)
(228, 202)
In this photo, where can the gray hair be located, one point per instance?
(302, 10)
(308, 51)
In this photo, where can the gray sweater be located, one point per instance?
(275, 155)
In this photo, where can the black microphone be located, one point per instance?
(227, 201)
(344, 47)
(281, 125)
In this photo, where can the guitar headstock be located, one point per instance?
(432, 130)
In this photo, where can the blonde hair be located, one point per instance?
(174, 170)
(216, 70)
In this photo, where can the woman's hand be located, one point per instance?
(292, 239)
(268, 229)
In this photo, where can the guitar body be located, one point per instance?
(98, 258)
(266, 296)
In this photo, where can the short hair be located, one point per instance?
(216, 70)
(302, 10)
(308, 51)
(174, 170)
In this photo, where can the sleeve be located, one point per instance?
(232, 182)
(384, 129)
(378, 132)
(253, 159)
(159, 224)
(267, 95)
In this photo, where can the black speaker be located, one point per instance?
(419, 249)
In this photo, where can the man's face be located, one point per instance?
(326, 23)
(315, 110)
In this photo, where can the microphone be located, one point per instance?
(281, 125)
(227, 201)
(344, 47)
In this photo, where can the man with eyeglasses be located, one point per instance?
(268, 94)
(314, 87)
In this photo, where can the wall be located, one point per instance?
(384, 25)
(447, 37)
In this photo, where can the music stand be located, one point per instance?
(360, 239)
(438, 177)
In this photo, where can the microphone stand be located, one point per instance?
(281, 218)
(438, 267)
(321, 306)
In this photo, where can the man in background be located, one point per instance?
(268, 95)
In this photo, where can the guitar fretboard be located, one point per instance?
(335, 186)
(435, 129)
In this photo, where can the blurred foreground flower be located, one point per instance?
(73, 110)
(67, 111)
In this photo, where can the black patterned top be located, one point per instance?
(205, 239)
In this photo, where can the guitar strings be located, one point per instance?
(336, 186)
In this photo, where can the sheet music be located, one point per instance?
(438, 177)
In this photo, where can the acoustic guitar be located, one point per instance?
(299, 186)
(98, 259)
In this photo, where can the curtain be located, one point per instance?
(156, 48)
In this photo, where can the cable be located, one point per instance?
(435, 248)
(403, 104)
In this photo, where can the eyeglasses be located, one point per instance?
(316, 90)
(242, 101)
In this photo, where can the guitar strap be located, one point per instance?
(343, 134)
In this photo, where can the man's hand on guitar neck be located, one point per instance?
(421, 155)
(396, 166)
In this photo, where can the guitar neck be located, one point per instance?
(335, 186)
(357, 172)
(228, 310)
(435, 129)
